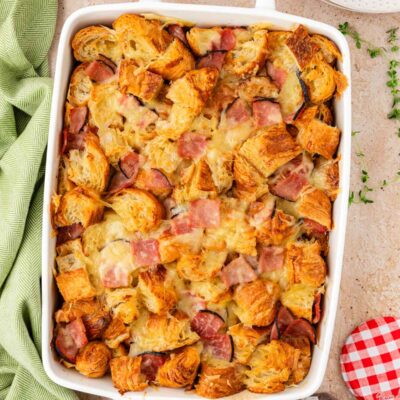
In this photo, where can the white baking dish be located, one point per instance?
(206, 16)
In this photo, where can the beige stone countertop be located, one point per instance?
(371, 268)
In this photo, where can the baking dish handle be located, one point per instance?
(269, 4)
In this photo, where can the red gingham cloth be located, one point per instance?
(370, 360)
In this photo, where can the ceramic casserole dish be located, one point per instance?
(201, 15)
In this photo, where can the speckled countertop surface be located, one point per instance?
(371, 270)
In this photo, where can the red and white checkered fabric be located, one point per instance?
(370, 360)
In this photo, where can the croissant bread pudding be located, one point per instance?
(194, 201)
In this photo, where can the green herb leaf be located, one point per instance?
(344, 28)
(394, 114)
(375, 52)
(354, 133)
(364, 176)
(351, 198)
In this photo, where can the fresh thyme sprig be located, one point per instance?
(363, 194)
(374, 51)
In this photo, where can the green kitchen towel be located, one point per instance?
(26, 32)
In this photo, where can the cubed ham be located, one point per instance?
(151, 362)
(278, 75)
(205, 213)
(271, 259)
(220, 346)
(214, 59)
(181, 225)
(69, 232)
(77, 118)
(191, 145)
(99, 71)
(314, 228)
(237, 113)
(228, 40)
(301, 327)
(266, 113)
(114, 277)
(292, 178)
(129, 164)
(70, 338)
(282, 320)
(207, 324)
(317, 308)
(237, 271)
(178, 32)
(156, 180)
(146, 252)
(261, 211)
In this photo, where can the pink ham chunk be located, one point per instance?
(266, 113)
(207, 324)
(99, 71)
(145, 252)
(70, 338)
(271, 259)
(191, 145)
(317, 308)
(156, 180)
(114, 277)
(237, 271)
(178, 32)
(205, 213)
(220, 346)
(215, 59)
(69, 232)
(237, 113)
(126, 177)
(228, 40)
(151, 362)
(291, 178)
(278, 75)
(77, 118)
(181, 225)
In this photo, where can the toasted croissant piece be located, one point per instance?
(189, 94)
(270, 149)
(91, 42)
(219, 379)
(139, 209)
(123, 304)
(329, 49)
(126, 374)
(115, 333)
(157, 291)
(174, 62)
(246, 59)
(75, 285)
(256, 302)
(305, 264)
(299, 299)
(302, 46)
(80, 86)
(93, 360)
(88, 167)
(141, 83)
(271, 366)
(180, 370)
(78, 206)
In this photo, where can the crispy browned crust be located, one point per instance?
(157, 293)
(277, 230)
(329, 49)
(115, 333)
(174, 62)
(315, 204)
(180, 370)
(140, 209)
(126, 374)
(256, 302)
(302, 47)
(270, 149)
(75, 285)
(305, 264)
(219, 381)
(141, 83)
(93, 360)
(92, 41)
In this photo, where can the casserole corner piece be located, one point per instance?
(195, 204)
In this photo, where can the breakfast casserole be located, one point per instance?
(194, 203)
